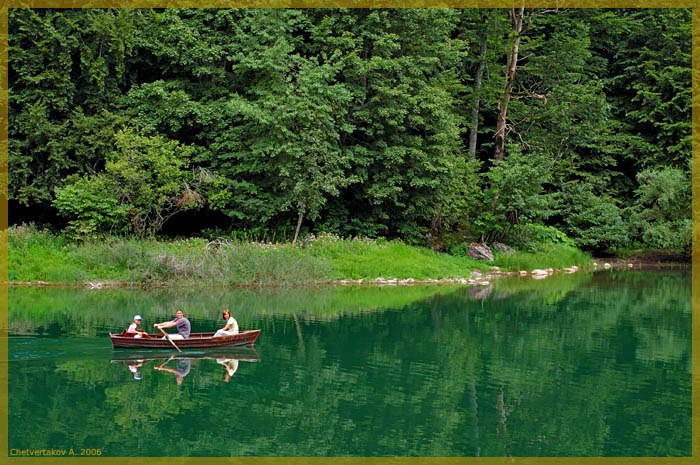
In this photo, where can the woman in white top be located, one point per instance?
(231, 326)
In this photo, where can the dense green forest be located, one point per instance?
(436, 126)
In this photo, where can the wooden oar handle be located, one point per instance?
(171, 341)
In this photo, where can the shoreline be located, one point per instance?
(476, 278)
(39, 258)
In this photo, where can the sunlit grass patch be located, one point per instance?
(394, 259)
(555, 256)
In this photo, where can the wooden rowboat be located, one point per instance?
(195, 341)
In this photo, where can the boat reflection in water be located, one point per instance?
(180, 365)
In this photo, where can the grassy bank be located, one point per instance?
(38, 255)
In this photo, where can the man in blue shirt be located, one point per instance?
(181, 323)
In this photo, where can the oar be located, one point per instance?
(163, 364)
(171, 341)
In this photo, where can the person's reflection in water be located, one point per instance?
(182, 369)
(231, 365)
(134, 368)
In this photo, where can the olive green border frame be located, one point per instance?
(695, 5)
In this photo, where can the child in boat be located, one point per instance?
(134, 329)
(231, 326)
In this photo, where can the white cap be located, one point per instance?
(138, 317)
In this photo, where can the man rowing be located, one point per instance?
(181, 323)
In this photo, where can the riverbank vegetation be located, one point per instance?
(547, 130)
(39, 255)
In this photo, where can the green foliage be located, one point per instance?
(661, 214)
(290, 132)
(457, 195)
(144, 183)
(401, 70)
(570, 127)
(516, 193)
(262, 234)
(365, 258)
(38, 255)
(649, 53)
(532, 236)
(593, 221)
(121, 254)
(89, 202)
(458, 249)
(68, 70)
(355, 122)
(665, 192)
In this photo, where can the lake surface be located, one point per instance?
(571, 365)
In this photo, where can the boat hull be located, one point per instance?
(195, 341)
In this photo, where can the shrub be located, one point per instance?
(145, 182)
(91, 205)
(661, 215)
(533, 236)
(593, 221)
(459, 249)
(516, 194)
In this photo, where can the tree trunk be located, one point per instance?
(475, 418)
(302, 348)
(516, 21)
(296, 233)
(473, 129)
(503, 421)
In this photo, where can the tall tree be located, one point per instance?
(520, 21)
(647, 53)
(401, 68)
(67, 69)
(481, 28)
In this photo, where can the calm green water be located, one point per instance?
(572, 365)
